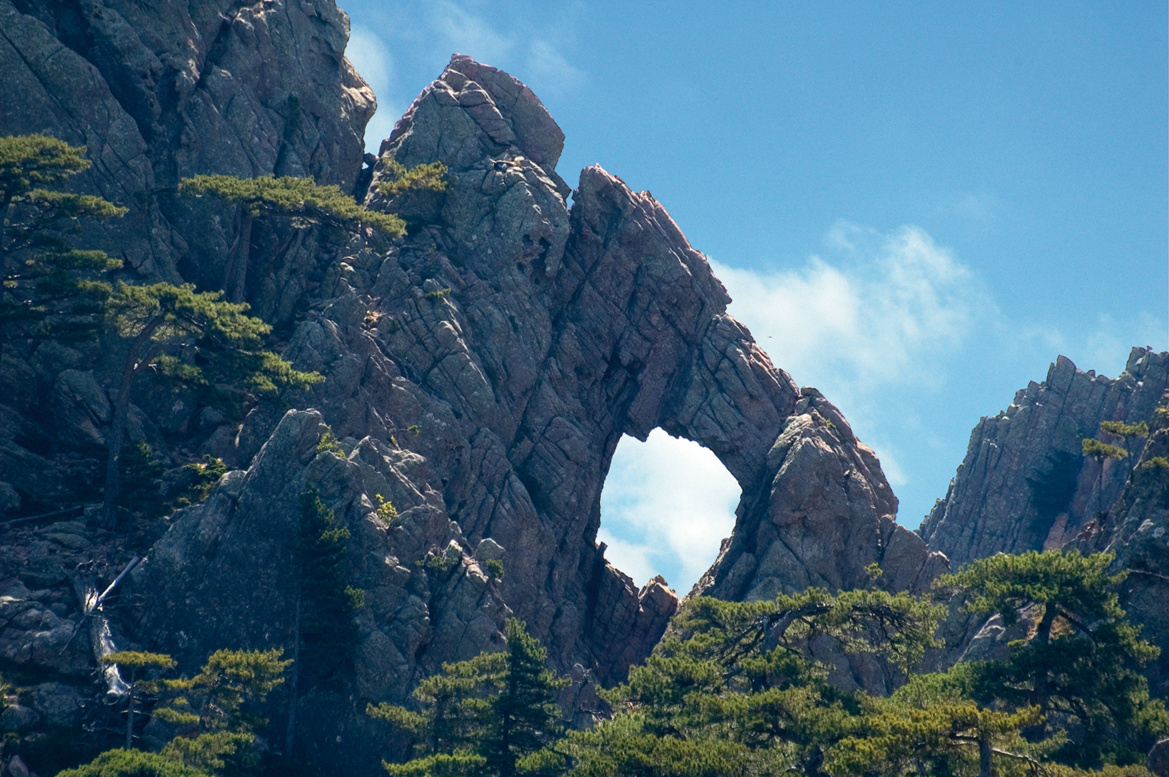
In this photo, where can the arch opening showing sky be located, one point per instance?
(666, 505)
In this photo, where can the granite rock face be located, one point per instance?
(162, 90)
(479, 373)
(1136, 530)
(1024, 484)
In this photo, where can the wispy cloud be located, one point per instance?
(550, 70)
(666, 506)
(865, 317)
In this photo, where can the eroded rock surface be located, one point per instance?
(1025, 484)
(163, 90)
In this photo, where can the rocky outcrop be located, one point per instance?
(1024, 484)
(156, 92)
(1136, 530)
(479, 373)
(163, 90)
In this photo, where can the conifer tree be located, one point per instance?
(138, 665)
(298, 198)
(736, 682)
(48, 288)
(197, 340)
(482, 716)
(217, 708)
(1078, 666)
(325, 635)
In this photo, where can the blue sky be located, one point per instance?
(915, 206)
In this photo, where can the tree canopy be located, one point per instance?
(197, 340)
(48, 287)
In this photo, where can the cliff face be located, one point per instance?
(162, 90)
(1025, 484)
(479, 373)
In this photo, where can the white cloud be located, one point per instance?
(470, 33)
(666, 506)
(866, 319)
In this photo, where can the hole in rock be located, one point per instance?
(666, 505)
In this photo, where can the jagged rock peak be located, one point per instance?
(1024, 484)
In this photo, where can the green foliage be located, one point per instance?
(1156, 462)
(48, 288)
(198, 341)
(1121, 429)
(494, 568)
(386, 510)
(484, 715)
(1079, 663)
(30, 161)
(1102, 450)
(414, 429)
(329, 444)
(202, 342)
(138, 666)
(438, 293)
(427, 176)
(328, 634)
(196, 481)
(736, 683)
(225, 693)
(219, 752)
(141, 475)
(133, 763)
(289, 196)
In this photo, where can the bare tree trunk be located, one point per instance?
(121, 413)
(985, 753)
(130, 720)
(235, 284)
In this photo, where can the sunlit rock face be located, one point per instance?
(480, 375)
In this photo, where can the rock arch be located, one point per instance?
(480, 375)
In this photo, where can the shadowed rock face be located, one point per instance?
(1025, 485)
(480, 375)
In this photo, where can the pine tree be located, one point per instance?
(1078, 666)
(48, 288)
(138, 665)
(736, 682)
(197, 340)
(481, 716)
(217, 708)
(298, 198)
(325, 635)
